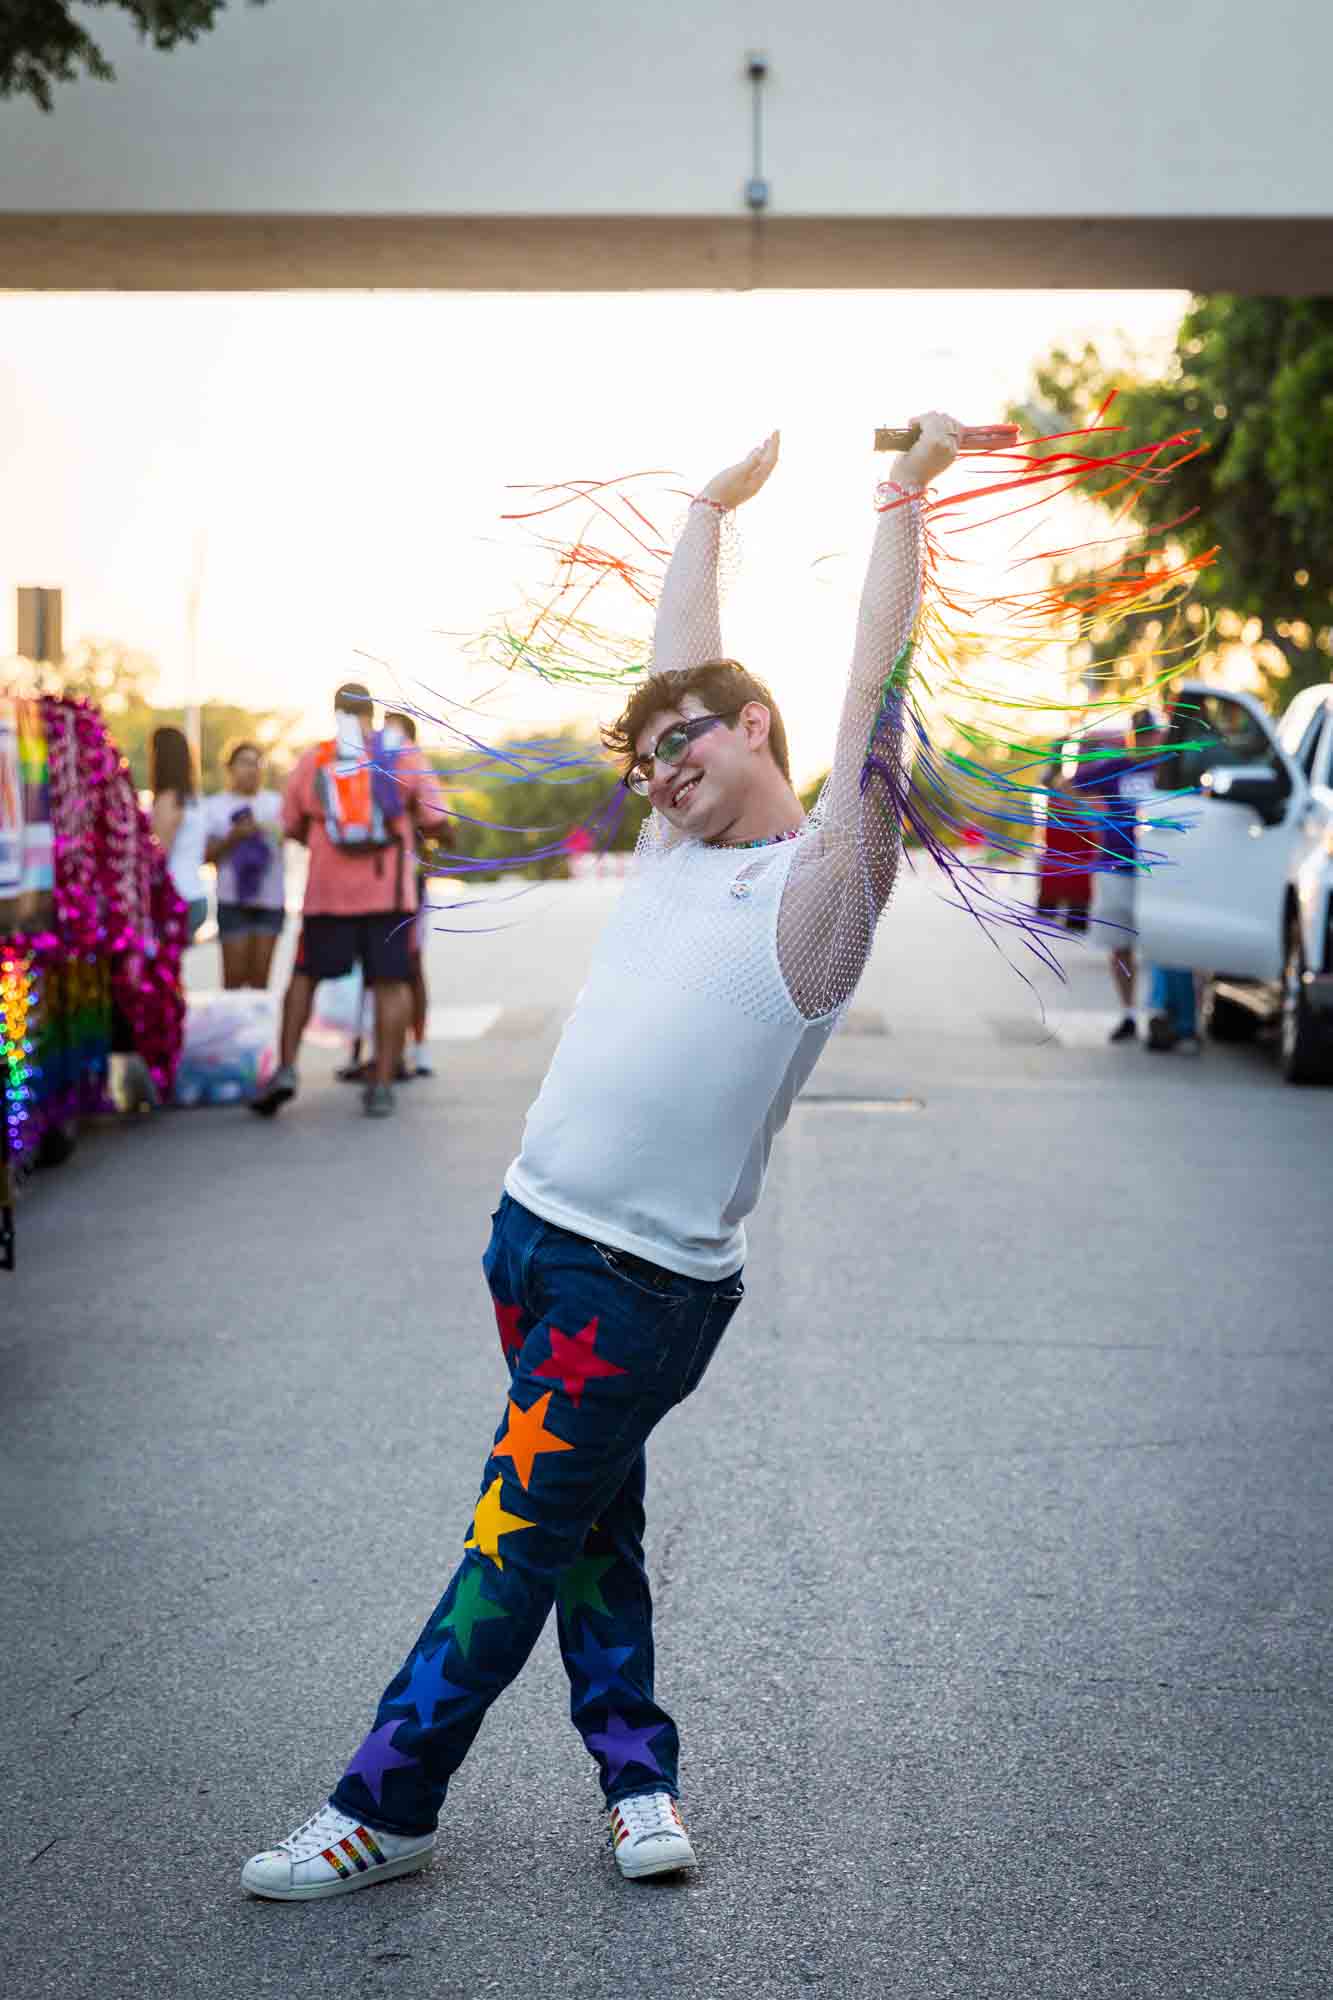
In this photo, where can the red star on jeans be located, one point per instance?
(506, 1319)
(574, 1363)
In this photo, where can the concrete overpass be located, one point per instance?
(323, 143)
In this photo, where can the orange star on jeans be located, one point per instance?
(526, 1437)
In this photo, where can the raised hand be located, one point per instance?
(741, 482)
(934, 451)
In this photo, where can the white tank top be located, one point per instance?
(186, 859)
(677, 1068)
(687, 1049)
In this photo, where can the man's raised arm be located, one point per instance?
(688, 631)
(843, 876)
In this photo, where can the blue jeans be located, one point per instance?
(600, 1345)
(1171, 992)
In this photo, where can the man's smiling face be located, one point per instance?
(703, 794)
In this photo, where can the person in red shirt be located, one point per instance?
(357, 812)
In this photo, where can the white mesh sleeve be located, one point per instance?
(846, 861)
(688, 628)
(688, 631)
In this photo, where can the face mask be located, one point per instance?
(392, 736)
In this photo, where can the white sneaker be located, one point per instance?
(329, 1855)
(648, 1836)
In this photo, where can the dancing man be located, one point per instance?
(615, 1258)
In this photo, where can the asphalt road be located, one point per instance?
(991, 1558)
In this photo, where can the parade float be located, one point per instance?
(91, 935)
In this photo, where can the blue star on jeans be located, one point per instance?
(427, 1688)
(599, 1665)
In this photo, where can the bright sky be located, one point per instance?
(333, 465)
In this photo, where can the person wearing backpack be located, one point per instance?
(357, 813)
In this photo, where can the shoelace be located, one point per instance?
(649, 1813)
(323, 1829)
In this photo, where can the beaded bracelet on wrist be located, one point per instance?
(702, 500)
(888, 486)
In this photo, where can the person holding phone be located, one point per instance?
(244, 843)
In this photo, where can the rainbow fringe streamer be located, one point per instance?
(979, 769)
(548, 760)
(552, 635)
(967, 690)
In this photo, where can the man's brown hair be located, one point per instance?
(721, 685)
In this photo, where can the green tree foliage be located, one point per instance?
(546, 808)
(115, 676)
(1255, 377)
(41, 43)
(120, 680)
(219, 722)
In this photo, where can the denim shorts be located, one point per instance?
(245, 919)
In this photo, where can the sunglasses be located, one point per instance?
(671, 746)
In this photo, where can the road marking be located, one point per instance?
(830, 1101)
(1083, 1029)
(863, 1021)
(1024, 1030)
(462, 1024)
(517, 1023)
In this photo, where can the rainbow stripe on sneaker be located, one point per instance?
(347, 1847)
(619, 1830)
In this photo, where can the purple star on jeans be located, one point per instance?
(377, 1756)
(621, 1745)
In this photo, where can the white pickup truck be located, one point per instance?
(1245, 895)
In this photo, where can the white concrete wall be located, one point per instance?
(875, 107)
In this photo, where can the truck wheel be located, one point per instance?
(58, 1143)
(1226, 1020)
(1306, 1050)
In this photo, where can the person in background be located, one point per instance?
(1173, 1020)
(1064, 885)
(178, 819)
(358, 823)
(243, 841)
(1116, 786)
(1173, 1017)
(393, 746)
(398, 733)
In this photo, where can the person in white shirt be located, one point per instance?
(178, 819)
(243, 841)
(615, 1259)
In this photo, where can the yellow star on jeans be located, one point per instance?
(490, 1522)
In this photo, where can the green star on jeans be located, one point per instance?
(470, 1608)
(581, 1583)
